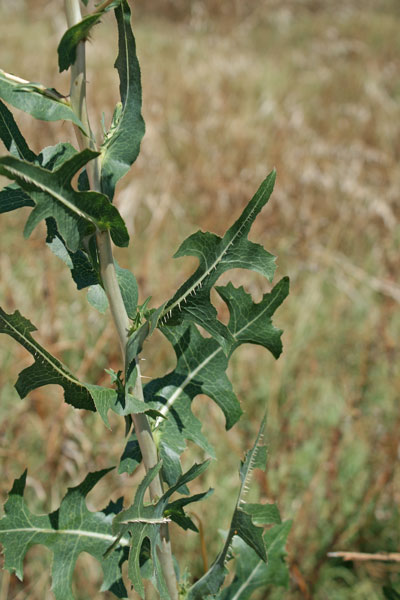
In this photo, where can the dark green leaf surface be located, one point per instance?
(143, 521)
(76, 213)
(217, 255)
(11, 136)
(71, 38)
(201, 369)
(251, 573)
(46, 368)
(49, 370)
(12, 197)
(250, 322)
(122, 143)
(242, 525)
(39, 102)
(67, 532)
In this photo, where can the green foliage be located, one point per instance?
(67, 532)
(144, 521)
(77, 213)
(37, 100)
(122, 143)
(258, 557)
(76, 221)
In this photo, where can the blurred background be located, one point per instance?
(232, 89)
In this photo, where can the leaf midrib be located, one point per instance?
(73, 532)
(166, 408)
(170, 308)
(53, 193)
(38, 350)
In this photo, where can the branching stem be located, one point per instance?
(112, 289)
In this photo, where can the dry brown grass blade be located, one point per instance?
(383, 556)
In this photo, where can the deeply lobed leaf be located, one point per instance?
(47, 369)
(76, 213)
(216, 256)
(201, 369)
(67, 532)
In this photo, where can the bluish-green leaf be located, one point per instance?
(97, 298)
(76, 213)
(37, 100)
(217, 255)
(67, 532)
(121, 145)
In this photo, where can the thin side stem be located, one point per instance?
(112, 289)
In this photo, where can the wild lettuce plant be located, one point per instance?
(82, 224)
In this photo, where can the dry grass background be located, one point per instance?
(232, 89)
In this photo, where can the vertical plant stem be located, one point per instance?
(111, 287)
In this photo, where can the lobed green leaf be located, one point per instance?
(217, 255)
(67, 532)
(201, 369)
(47, 369)
(76, 213)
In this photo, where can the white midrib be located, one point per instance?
(75, 532)
(166, 408)
(36, 351)
(246, 582)
(211, 267)
(54, 194)
(125, 105)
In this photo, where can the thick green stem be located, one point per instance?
(112, 289)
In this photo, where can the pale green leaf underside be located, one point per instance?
(39, 102)
(67, 532)
(129, 291)
(122, 144)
